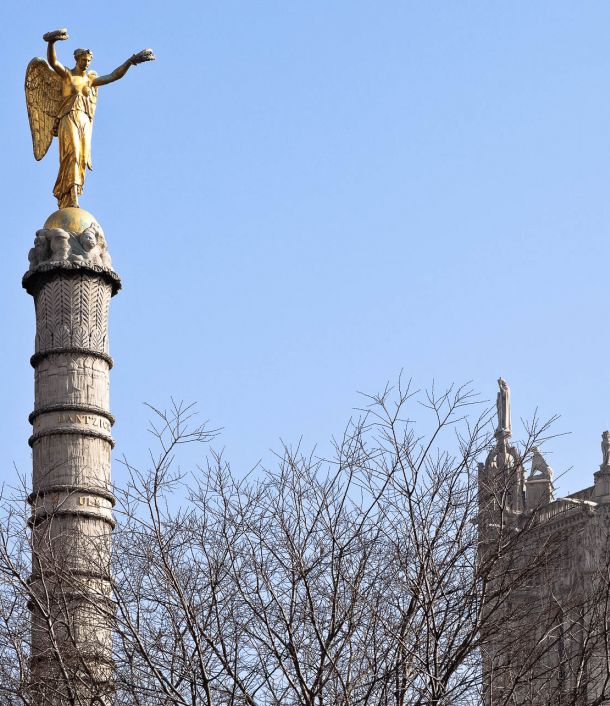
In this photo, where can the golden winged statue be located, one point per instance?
(62, 102)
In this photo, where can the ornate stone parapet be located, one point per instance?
(72, 281)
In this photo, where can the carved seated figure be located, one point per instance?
(540, 468)
(104, 254)
(40, 252)
(88, 240)
(60, 244)
(89, 247)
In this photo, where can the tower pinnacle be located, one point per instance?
(503, 408)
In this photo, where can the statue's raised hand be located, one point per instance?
(57, 35)
(142, 56)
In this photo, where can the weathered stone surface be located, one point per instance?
(71, 280)
(59, 245)
(71, 254)
(73, 379)
(73, 460)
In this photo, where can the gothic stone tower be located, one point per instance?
(72, 282)
(545, 637)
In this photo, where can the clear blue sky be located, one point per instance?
(304, 198)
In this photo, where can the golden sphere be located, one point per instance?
(74, 220)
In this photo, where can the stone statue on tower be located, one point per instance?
(503, 408)
(606, 449)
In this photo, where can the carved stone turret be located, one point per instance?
(504, 475)
(72, 282)
(501, 486)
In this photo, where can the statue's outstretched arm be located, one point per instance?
(120, 71)
(51, 38)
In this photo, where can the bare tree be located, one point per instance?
(383, 574)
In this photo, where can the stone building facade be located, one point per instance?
(545, 562)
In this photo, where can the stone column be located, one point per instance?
(72, 281)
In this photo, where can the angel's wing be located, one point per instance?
(43, 98)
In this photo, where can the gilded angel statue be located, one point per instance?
(61, 102)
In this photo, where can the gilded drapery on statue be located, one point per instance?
(75, 124)
(61, 102)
